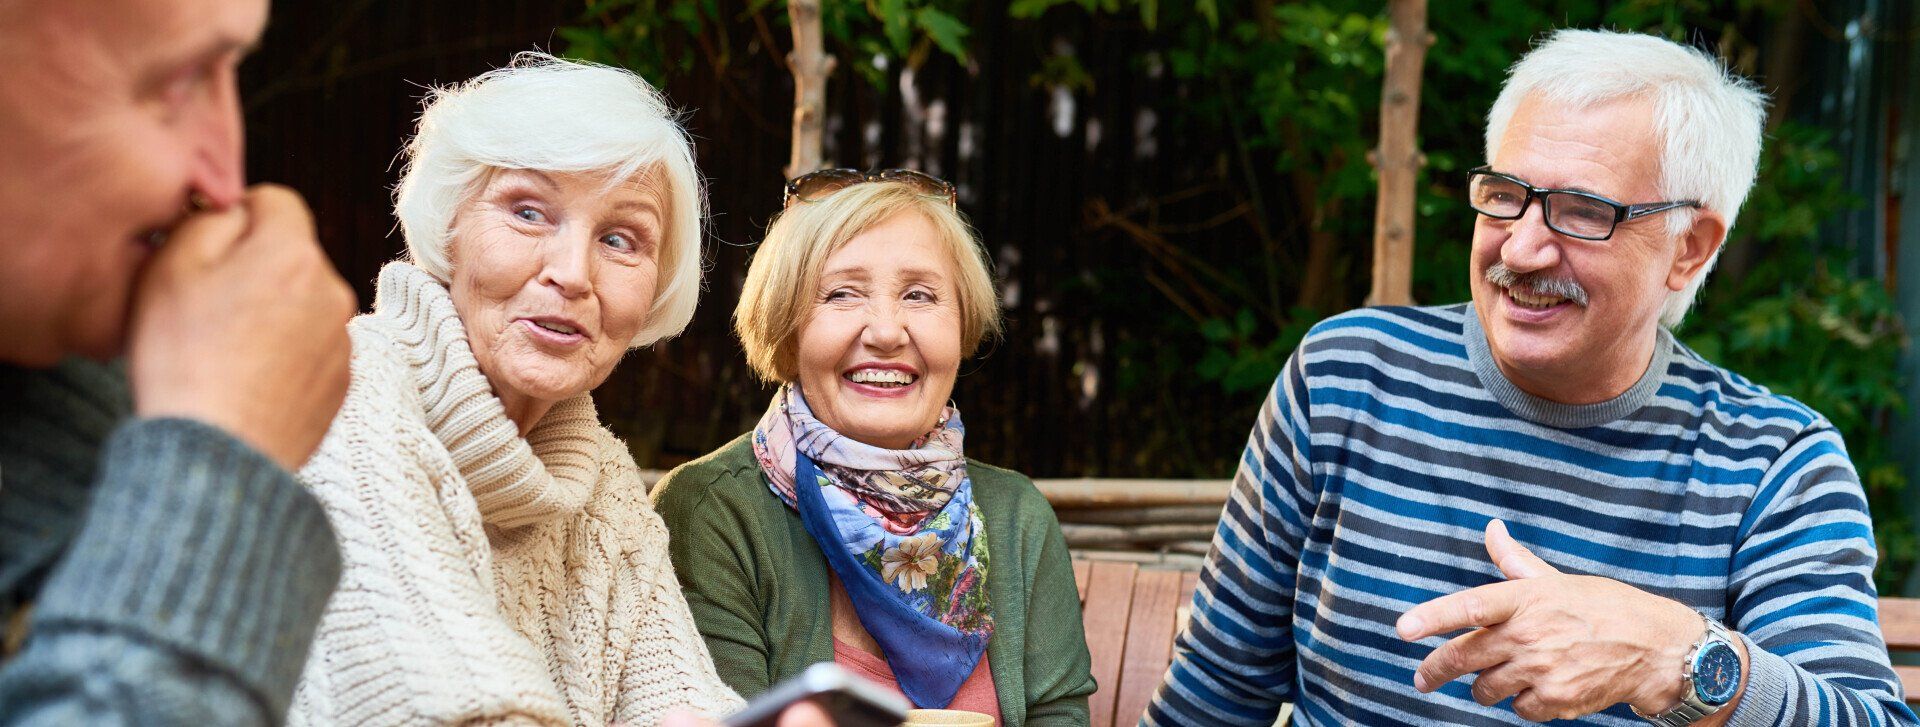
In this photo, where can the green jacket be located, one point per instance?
(757, 584)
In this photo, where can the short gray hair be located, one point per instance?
(1709, 119)
(547, 114)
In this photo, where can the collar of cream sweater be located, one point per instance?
(515, 481)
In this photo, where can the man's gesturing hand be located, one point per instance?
(1562, 646)
(240, 322)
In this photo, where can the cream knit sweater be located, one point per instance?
(488, 578)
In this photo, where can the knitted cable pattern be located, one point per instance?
(489, 578)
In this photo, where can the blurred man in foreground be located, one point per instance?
(158, 563)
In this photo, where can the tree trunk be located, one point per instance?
(811, 66)
(1398, 157)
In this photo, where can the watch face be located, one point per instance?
(1716, 673)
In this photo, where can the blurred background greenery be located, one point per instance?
(1295, 87)
(1175, 191)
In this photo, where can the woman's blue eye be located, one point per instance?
(529, 214)
(616, 241)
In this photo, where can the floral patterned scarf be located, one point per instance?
(900, 529)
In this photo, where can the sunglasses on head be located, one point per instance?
(816, 186)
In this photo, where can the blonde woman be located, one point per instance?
(849, 526)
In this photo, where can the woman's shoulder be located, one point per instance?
(1000, 481)
(1002, 492)
(727, 474)
(381, 402)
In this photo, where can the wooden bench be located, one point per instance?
(1131, 615)
(1900, 623)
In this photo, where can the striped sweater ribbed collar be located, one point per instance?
(1552, 413)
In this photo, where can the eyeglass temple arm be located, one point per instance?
(1642, 210)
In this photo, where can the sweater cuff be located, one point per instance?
(201, 544)
(1768, 678)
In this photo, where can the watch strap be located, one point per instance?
(1691, 709)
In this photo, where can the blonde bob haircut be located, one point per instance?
(779, 291)
(551, 115)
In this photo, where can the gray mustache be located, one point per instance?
(1503, 276)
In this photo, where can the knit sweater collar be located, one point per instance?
(515, 481)
(1555, 414)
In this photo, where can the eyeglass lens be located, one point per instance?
(1569, 212)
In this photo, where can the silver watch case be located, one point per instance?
(1691, 709)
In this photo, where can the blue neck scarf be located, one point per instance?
(907, 544)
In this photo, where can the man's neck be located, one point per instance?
(1589, 381)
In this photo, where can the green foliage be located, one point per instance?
(1295, 86)
(1244, 359)
(1794, 320)
(663, 39)
(652, 37)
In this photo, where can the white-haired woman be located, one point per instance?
(502, 563)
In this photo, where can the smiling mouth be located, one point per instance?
(882, 378)
(557, 327)
(1533, 300)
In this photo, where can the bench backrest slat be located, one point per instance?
(1900, 624)
(1109, 603)
(1132, 616)
(1156, 598)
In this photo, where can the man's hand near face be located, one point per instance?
(1562, 646)
(239, 321)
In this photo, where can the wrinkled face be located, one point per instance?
(1551, 345)
(878, 354)
(553, 276)
(111, 113)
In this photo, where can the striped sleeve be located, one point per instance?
(1802, 596)
(1234, 663)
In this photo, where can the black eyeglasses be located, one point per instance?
(816, 186)
(1569, 212)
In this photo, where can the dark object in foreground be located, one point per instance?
(848, 699)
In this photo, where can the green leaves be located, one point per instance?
(1242, 357)
(946, 31)
(895, 21)
(1794, 319)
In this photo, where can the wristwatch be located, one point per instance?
(1709, 677)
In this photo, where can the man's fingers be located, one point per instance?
(1486, 605)
(1493, 685)
(278, 216)
(1465, 654)
(206, 236)
(1512, 558)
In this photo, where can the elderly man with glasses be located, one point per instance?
(1539, 505)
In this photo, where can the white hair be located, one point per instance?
(547, 114)
(1709, 119)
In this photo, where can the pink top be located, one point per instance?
(976, 693)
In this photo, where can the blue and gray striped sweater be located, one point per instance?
(1391, 439)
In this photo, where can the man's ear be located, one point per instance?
(1697, 247)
